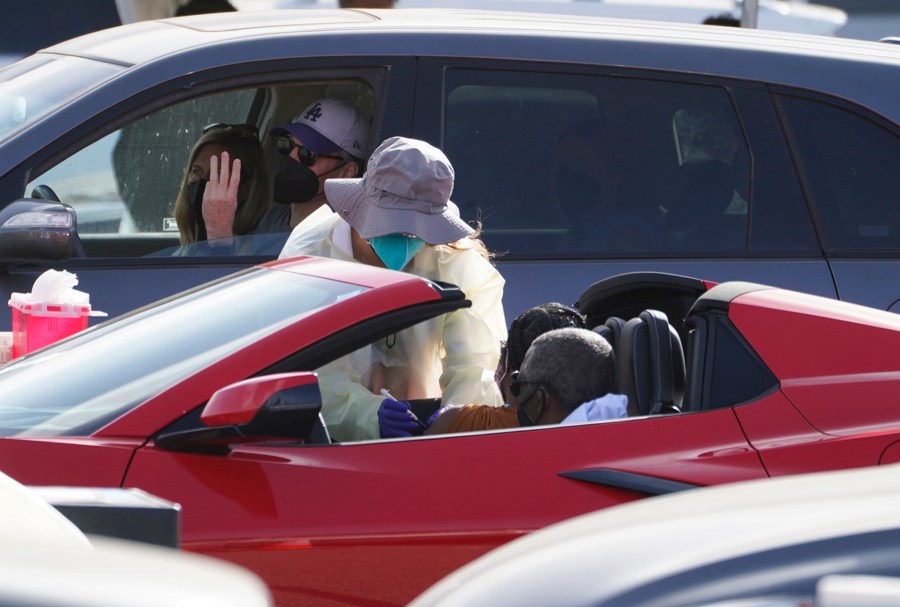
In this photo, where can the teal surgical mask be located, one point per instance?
(395, 250)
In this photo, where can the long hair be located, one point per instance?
(241, 142)
(472, 241)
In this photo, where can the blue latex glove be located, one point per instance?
(394, 420)
(438, 413)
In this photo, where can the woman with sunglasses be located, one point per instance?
(225, 190)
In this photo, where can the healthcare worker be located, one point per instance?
(399, 215)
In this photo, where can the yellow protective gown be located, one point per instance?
(453, 356)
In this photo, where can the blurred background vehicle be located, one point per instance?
(715, 134)
(776, 542)
(46, 560)
(787, 16)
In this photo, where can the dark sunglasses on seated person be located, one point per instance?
(515, 384)
(285, 146)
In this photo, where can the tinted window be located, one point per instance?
(36, 86)
(851, 166)
(573, 165)
(125, 185)
(127, 182)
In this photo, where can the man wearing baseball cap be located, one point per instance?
(399, 215)
(328, 139)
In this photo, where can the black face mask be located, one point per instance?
(578, 193)
(294, 182)
(195, 196)
(524, 419)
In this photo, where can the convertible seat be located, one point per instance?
(651, 367)
(611, 330)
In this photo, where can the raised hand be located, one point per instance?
(220, 198)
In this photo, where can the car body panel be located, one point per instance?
(279, 504)
(526, 290)
(382, 505)
(90, 462)
(743, 541)
(39, 542)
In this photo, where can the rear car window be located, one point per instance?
(573, 165)
(850, 165)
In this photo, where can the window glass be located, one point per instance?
(574, 165)
(850, 164)
(36, 86)
(136, 357)
(124, 187)
(127, 182)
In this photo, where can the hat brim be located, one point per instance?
(357, 205)
(311, 138)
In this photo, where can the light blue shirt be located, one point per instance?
(609, 406)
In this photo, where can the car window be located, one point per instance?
(123, 187)
(130, 364)
(36, 86)
(850, 164)
(127, 182)
(573, 165)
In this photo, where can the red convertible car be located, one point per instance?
(210, 399)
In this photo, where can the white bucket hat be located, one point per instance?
(405, 190)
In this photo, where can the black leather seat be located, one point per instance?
(651, 367)
(611, 330)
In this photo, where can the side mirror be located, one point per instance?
(33, 229)
(283, 407)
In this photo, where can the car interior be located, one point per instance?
(676, 350)
(123, 186)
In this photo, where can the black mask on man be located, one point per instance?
(294, 182)
(195, 196)
(522, 416)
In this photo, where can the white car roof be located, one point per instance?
(799, 17)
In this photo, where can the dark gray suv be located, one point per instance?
(585, 147)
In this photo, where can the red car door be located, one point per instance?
(377, 522)
(837, 366)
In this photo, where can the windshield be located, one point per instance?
(80, 385)
(36, 86)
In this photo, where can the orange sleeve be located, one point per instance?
(483, 417)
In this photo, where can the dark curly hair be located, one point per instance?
(534, 322)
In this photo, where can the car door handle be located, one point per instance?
(642, 483)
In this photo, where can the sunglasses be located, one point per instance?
(245, 130)
(285, 146)
(515, 384)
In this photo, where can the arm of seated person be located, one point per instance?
(474, 418)
(441, 425)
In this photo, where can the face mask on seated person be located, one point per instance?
(195, 191)
(294, 182)
(395, 250)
